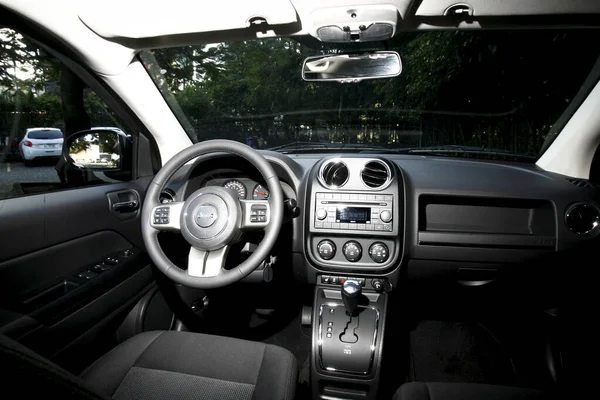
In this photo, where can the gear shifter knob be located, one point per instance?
(351, 291)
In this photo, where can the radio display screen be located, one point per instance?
(358, 215)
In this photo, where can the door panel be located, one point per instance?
(72, 264)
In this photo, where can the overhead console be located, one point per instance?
(356, 214)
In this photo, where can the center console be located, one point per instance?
(354, 242)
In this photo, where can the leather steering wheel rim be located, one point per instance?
(275, 201)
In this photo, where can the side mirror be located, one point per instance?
(352, 68)
(94, 149)
(95, 155)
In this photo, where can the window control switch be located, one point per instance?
(87, 275)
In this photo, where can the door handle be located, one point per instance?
(126, 206)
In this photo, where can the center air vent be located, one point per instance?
(334, 174)
(376, 174)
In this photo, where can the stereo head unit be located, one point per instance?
(353, 212)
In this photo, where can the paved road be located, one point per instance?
(12, 172)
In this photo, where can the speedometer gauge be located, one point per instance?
(260, 193)
(237, 187)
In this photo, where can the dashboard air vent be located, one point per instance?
(582, 218)
(334, 174)
(375, 174)
(582, 183)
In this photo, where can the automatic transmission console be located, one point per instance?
(348, 332)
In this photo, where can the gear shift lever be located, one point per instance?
(351, 291)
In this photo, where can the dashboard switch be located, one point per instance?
(379, 252)
(377, 285)
(321, 213)
(326, 249)
(352, 251)
(385, 216)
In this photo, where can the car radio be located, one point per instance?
(354, 212)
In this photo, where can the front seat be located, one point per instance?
(465, 391)
(159, 365)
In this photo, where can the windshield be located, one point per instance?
(477, 94)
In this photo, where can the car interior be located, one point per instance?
(307, 235)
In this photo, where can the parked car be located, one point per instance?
(41, 143)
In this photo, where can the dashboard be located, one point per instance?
(384, 218)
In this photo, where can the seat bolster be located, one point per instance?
(280, 363)
(106, 374)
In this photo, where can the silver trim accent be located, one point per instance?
(206, 264)
(174, 224)
(247, 208)
(388, 170)
(320, 340)
(326, 163)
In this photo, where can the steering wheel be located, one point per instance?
(211, 219)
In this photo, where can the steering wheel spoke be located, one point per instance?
(256, 214)
(166, 217)
(206, 264)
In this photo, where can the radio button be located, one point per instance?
(321, 213)
(318, 225)
(326, 249)
(378, 227)
(385, 216)
(352, 251)
(370, 227)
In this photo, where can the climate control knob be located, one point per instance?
(379, 252)
(352, 251)
(326, 249)
(321, 213)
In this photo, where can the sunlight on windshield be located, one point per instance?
(500, 91)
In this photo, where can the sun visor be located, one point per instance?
(139, 19)
(506, 8)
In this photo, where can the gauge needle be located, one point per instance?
(261, 193)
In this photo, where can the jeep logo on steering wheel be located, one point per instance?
(206, 215)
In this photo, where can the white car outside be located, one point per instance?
(41, 143)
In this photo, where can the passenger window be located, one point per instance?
(41, 104)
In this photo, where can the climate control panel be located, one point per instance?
(354, 252)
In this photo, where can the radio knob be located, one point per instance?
(379, 252)
(352, 251)
(326, 249)
(321, 213)
(385, 216)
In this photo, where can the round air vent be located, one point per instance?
(376, 174)
(334, 174)
(166, 196)
(582, 218)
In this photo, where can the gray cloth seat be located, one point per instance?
(158, 365)
(182, 365)
(464, 391)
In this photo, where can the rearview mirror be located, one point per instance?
(352, 68)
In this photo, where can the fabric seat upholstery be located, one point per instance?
(465, 391)
(182, 365)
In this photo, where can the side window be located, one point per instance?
(42, 103)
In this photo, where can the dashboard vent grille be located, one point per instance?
(334, 174)
(375, 174)
(582, 183)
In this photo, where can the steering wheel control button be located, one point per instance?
(385, 216)
(321, 214)
(161, 215)
(379, 252)
(258, 213)
(352, 251)
(206, 215)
